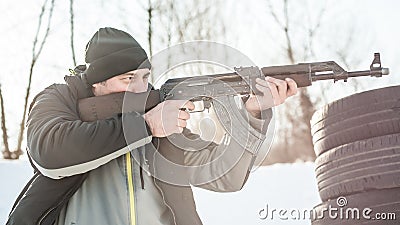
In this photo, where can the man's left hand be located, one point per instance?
(275, 92)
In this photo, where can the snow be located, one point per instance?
(13, 176)
(280, 186)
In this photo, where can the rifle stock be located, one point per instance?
(105, 106)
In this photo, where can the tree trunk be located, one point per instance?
(6, 152)
(150, 32)
(71, 13)
(35, 56)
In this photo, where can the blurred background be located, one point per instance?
(42, 40)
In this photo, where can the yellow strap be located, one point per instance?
(130, 188)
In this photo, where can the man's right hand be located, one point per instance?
(168, 117)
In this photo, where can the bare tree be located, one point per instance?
(300, 33)
(6, 152)
(71, 13)
(181, 21)
(36, 50)
(151, 9)
(194, 20)
(297, 141)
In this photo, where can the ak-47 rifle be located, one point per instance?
(221, 87)
(219, 91)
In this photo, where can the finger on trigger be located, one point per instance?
(189, 105)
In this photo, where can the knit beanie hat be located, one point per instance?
(112, 52)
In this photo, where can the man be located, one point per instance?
(85, 172)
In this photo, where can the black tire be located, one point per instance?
(358, 151)
(371, 108)
(357, 117)
(360, 166)
(376, 177)
(379, 201)
(354, 129)
(351, 102)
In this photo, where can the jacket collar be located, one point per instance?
(79, 85)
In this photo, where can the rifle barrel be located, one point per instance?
(372, 73)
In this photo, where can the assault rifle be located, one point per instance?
(220, 87)
(220, 91)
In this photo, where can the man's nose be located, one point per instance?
(140, 86)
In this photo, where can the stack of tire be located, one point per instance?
(357, 143)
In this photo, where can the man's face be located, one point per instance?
(134, 81)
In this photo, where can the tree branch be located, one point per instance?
(71, 13)
(35, 56)
(6, 152)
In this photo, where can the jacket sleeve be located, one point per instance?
(222, 167)
(61, 145)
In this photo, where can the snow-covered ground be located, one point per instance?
(291, 187)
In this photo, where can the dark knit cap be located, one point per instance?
(112, 52)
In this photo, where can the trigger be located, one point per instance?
(207, 105)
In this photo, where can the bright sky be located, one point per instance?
(373, 26)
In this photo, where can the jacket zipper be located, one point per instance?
(130, 189)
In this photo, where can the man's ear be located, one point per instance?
(103, 83)
(97, 88)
